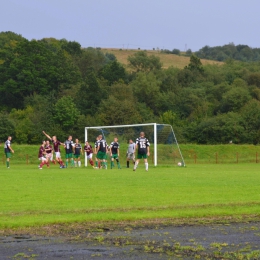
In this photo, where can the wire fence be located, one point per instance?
(220, 158)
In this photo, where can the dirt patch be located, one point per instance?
(154, 241)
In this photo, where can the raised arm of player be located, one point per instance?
(46, 135)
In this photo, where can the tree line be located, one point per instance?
(60, 87)
(240, 52)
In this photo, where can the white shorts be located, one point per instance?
(90, 156)
(57, 154)
(43, 159)
(49, 156)
(131, 156)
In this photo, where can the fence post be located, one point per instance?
(195, 158)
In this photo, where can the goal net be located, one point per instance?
(164, 149)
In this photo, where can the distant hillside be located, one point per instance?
(167, 59)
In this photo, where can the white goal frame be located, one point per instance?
(148, 124)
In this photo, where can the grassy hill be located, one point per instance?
(167, 59)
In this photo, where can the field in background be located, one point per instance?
(167, 59)
(32, 197)
(167, 154)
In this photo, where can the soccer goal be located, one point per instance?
(164, 148)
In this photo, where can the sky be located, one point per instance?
(133, 24)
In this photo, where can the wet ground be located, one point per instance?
(211, 241)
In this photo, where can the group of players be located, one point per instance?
(73, 151)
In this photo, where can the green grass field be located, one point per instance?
(33, 197)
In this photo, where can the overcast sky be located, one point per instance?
(144, 24)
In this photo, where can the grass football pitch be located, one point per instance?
(33, 197)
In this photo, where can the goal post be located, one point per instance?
(103, 130)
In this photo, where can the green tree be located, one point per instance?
(120, 107)
(234, 99)
(176, 51)
(169, 117)
(219, 129)
(169, 80)
(31, 68)
(194, 72)
(9, 39)
(91, 60)
(90, 94)
(250, 113)
(140, 61)
(73, 48)
(113, 72)
(195, 64)
(189, 52)
(254, 79)
(66, 113)
(6, 127)
(23, 124)
(146, 88)
(188, 102)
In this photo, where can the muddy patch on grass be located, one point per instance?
(160, 241)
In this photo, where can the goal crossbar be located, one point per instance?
(133, 125)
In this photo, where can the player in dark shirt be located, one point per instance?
(102, 153)
(77, 152)
(8, 149)
(95, 151)
(89, 152)
(143, 150)
(68, 145)
(114, 153)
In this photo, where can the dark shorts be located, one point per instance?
(140, 156)
(8, 155)
(68, 155)
(114, 156)
(76, 156)
(101, 155)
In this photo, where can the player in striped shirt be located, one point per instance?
(102, 152)
(68, 145)
(77, 152)
(114, 153)
(95, 151)
(143, 150)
